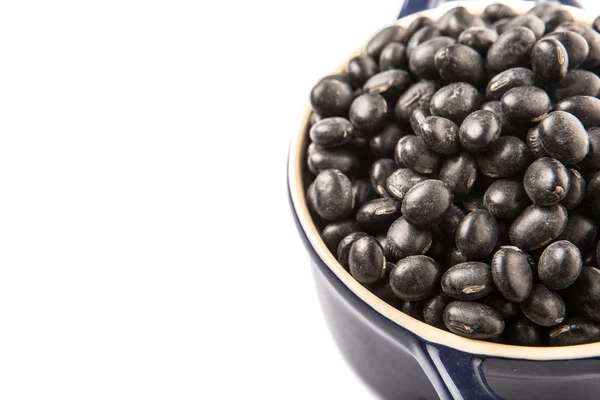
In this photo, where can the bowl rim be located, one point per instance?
(298, 148)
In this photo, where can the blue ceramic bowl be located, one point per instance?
(403, 358)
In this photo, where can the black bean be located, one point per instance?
(421, 59)
(477, 234)
(533, 143)
(499, 26)
(585, 108)
(393, 56)
(336, 231)
(507, 126)
(450, 223)
(512, 274)
(506, 157)
(333, 197)
(511, 49)
(577, 188)
(564, 137)
(525, 104)
(589, 258)
(383, 290)
(556, 18)
(596, 24)
(390, 84)
(401, 180)
(366, 260)
(460, 63)
(479, 130)
(549, 60)
(382, 239)
(412, 152)
(314, 118)
(331, 132)
(523, 332)
(380, 172)
(405, 239)
(497, 11)
(506, 80)
(591, 36)
(591, 162)
(455, 257)
(417, 116)
(473, 203)
(417, 96)
(384, 142)
(507, 309)
(390, 34)
(458, 20)
(415, 278)
(544, 306)
(575, 44)
(574, 330)
(577, 82)
(546, 181)
(455, 101)
(537, 26)
(331, 97)
(459, 173)
(378, 214)
(433, 310)
(479, 38)
(439, 245)
(470, 280)
(537, 226)
(505, 198)
(360, 69)
(412, 308)
(543, 8)
(583, 296)
(343, 250)
(363, 192)
(421, 36)
(427, 202)
(473, 320)
(559, 265)
(440, 134)
(320, 159)
(593, 195)
(417, 24)
(368, 112)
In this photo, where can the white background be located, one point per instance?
(146, 246)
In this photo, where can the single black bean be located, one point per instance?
(421, 36)
(593, 195)
(506, 157)
(458, 20)
(440, 134)
(544, 306)
(585, 108)
(421, 59)
(389, 34)
(591, 36)
(401, 180)
(384, 142)
(479, 38)
(433, 310)
(331, 97)
(459, 173)
(417, 24)
(479, 130)
(511, 49)
(334, 199)
(525, 104)
(591, 162)
(507, 309)
(533, 143)
(497, 11)
(366, 260)
(455, 101)
(473, 320)
(333, 233)
(412, 152)
(506, 80)
(583, 296)
(537, 26)
(544, 8)
(477, 234)
(555, 18)
(512, 273)
(549, 60)
(320, 159)
(449, 225)
(575, 44)
(460, 63)
(537, 226)
(393, 56)
(417, 96)
(390, 84)
(331, 132)
(508, 127)
(577, 82)
(363, 192)
(417, 116)
(427, 202)
(564, 137)
(574, 330)
(380, 172)
(368, 112)
(360, 69)
(505, 198)
(415, 278)
(405, 239)
(343, 250)
(378, 214)
(470, 280)
(546, 181)
(455, 257)
(523, 332)
(559, 265)
(577, 188)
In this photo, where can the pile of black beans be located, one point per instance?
(453, 170)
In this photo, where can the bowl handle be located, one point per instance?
(413, 6)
